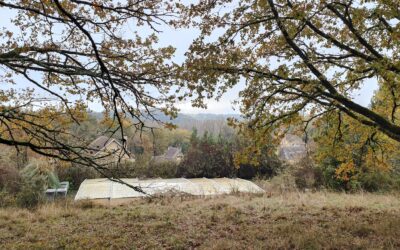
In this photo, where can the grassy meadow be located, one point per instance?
(273, 220)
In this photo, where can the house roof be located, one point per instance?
(100, 143)
(292, 148)
(172, 152)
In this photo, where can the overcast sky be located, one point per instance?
(181, 40)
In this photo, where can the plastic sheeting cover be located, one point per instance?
(107, 189)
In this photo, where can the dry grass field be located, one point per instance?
(282, 220)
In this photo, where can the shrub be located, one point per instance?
(269, 166)
(164, 169)
(307, 175)
(9, 179)
(35, 180)
(150, 169)
(377, 181)
(247, 171)
(329, 178)
(76, 174)
(6, 199)
(142, 167)
(281, 183)
(207, 160)
(30, 197)
(370, 180)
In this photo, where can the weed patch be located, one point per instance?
(283, 220)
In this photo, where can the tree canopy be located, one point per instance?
(297, 57)
(299, 62)
(56, 56)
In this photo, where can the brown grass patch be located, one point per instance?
(282, 220)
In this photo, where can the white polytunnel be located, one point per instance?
(107, 189)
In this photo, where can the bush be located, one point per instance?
(378, 181)
(122, 170)
(6, 199)
(284, 182)
(364, 179)
(35, 178)
(307, 175)
(146, 170)
(9, 179)
(26, 187)
(208, 161)
(137, 169)
(143, 167)
(162, 170)
(76, 174)
(30, 197)
(268, 167)
(329, 178)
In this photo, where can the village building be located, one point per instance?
(110, 150)
(173, 154)
(292, 149)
